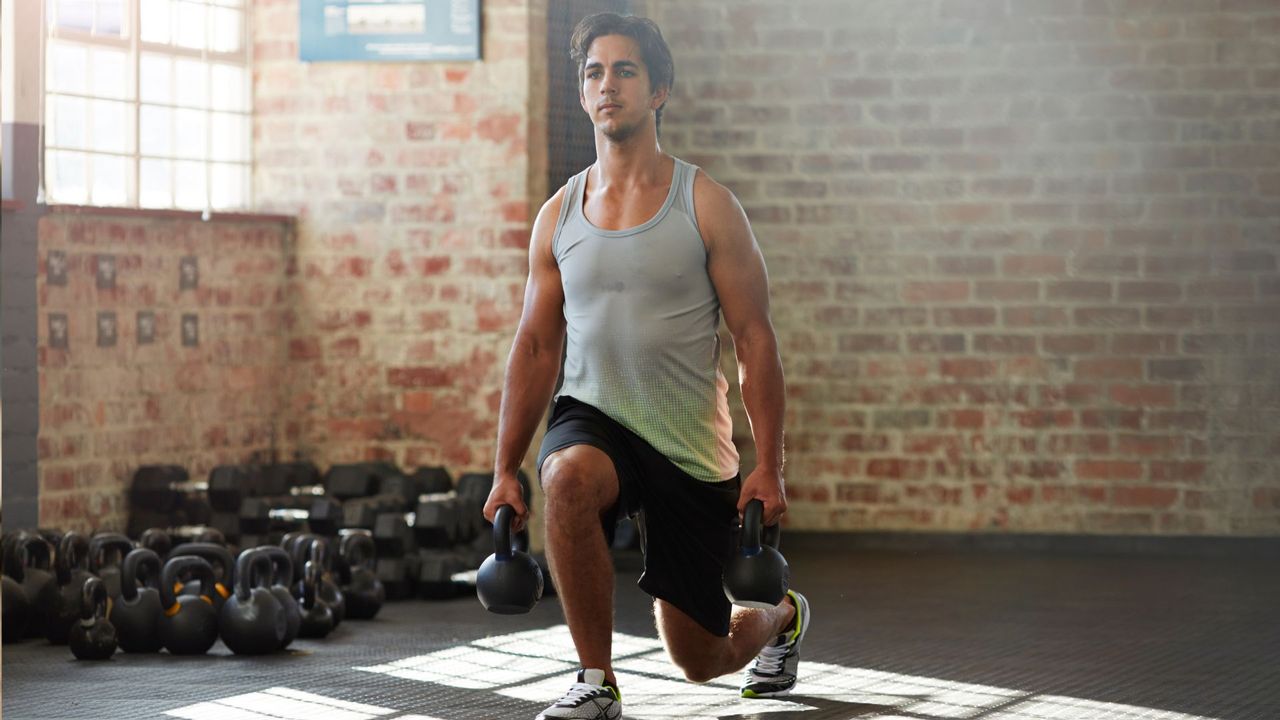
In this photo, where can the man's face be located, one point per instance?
(615, 87)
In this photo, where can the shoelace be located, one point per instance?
(578, 692)
(770, 660)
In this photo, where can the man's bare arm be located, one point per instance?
(738, 273)
(532, 366)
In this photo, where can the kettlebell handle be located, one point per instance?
(752, 526)
(502, 531)
(94, 595)
(253, 569)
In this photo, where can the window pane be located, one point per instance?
(192, 134)
(109, 76)
(66, 177)
(193, 83)
(190, 24)
(156, 130)
(111, 127)
(68, 67)
(226, 30)
(190, 185)
(156, 78)
(110, 18)
(229, 87)
(67, 126)
(230, 137)
(75, 14)
(155, 21)
(110, 187)
(230, 189)
(155, 186)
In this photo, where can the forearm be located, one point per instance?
(526, 392)
(763, 394)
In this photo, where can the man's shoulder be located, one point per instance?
(711, 200)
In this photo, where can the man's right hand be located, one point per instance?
(507, 491)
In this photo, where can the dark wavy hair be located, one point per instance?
(653, 48)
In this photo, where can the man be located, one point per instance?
(634, 259)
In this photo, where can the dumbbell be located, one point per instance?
(399, 575)
(436, 574)
(354, 480)
(163, 494)
(431, 480)
(393, 534)
(261, 516)
(289, 474)
(438, 520)
(364, 512)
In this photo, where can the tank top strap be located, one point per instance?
(685, 175)
(570, 206)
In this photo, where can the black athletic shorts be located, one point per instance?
(687, 526)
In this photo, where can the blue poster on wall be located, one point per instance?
(389, 30)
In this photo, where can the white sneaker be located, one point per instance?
(590, 698)
(774, 672)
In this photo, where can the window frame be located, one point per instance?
(131, 42)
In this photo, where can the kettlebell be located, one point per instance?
(189, 623)
(72, 565)
(282, 576)
(157, 541)
(41, 587)
(251, 621)
(757, 575)
(509, 581)
(328, 589)
(317, 616)
(361, 587)
(17, 609)
(106, 553)
(219, 557)
(136, 613)
(94, 637)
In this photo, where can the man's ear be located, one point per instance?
(659, 97)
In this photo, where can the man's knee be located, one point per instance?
(697, 669)
(579, 478)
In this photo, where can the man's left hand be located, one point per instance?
(767, 486)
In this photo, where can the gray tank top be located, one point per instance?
(642, 319)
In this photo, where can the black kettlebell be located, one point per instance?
(219, 557)
(39, 583)
(94, 637)
(157, 541)
(757, 575)
(361, 587)
(106, 553)
(317, 616)
(17, 608)
(252, 622)
(328, 589)
(189, 625)
(72, 566)
(136, 613)
(281, 579)
(509, 581)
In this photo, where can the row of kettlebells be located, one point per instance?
(258, 602)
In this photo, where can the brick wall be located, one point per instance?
(1023, 252)
(108, 406)
(414, 184)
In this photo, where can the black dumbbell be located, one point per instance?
(392, 535)
(352, 480)
(230, 484)
(260, 516)
(364, 512)
(398, 575)
(437, 521)
(431, 480)
(436, 574)
(159, 488)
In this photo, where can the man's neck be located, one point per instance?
(637, 160)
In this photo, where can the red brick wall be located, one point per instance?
(105, 410)
(1023, 254)
(413, 183)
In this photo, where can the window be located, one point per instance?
(148, 104)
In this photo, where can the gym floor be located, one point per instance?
(928, 635)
